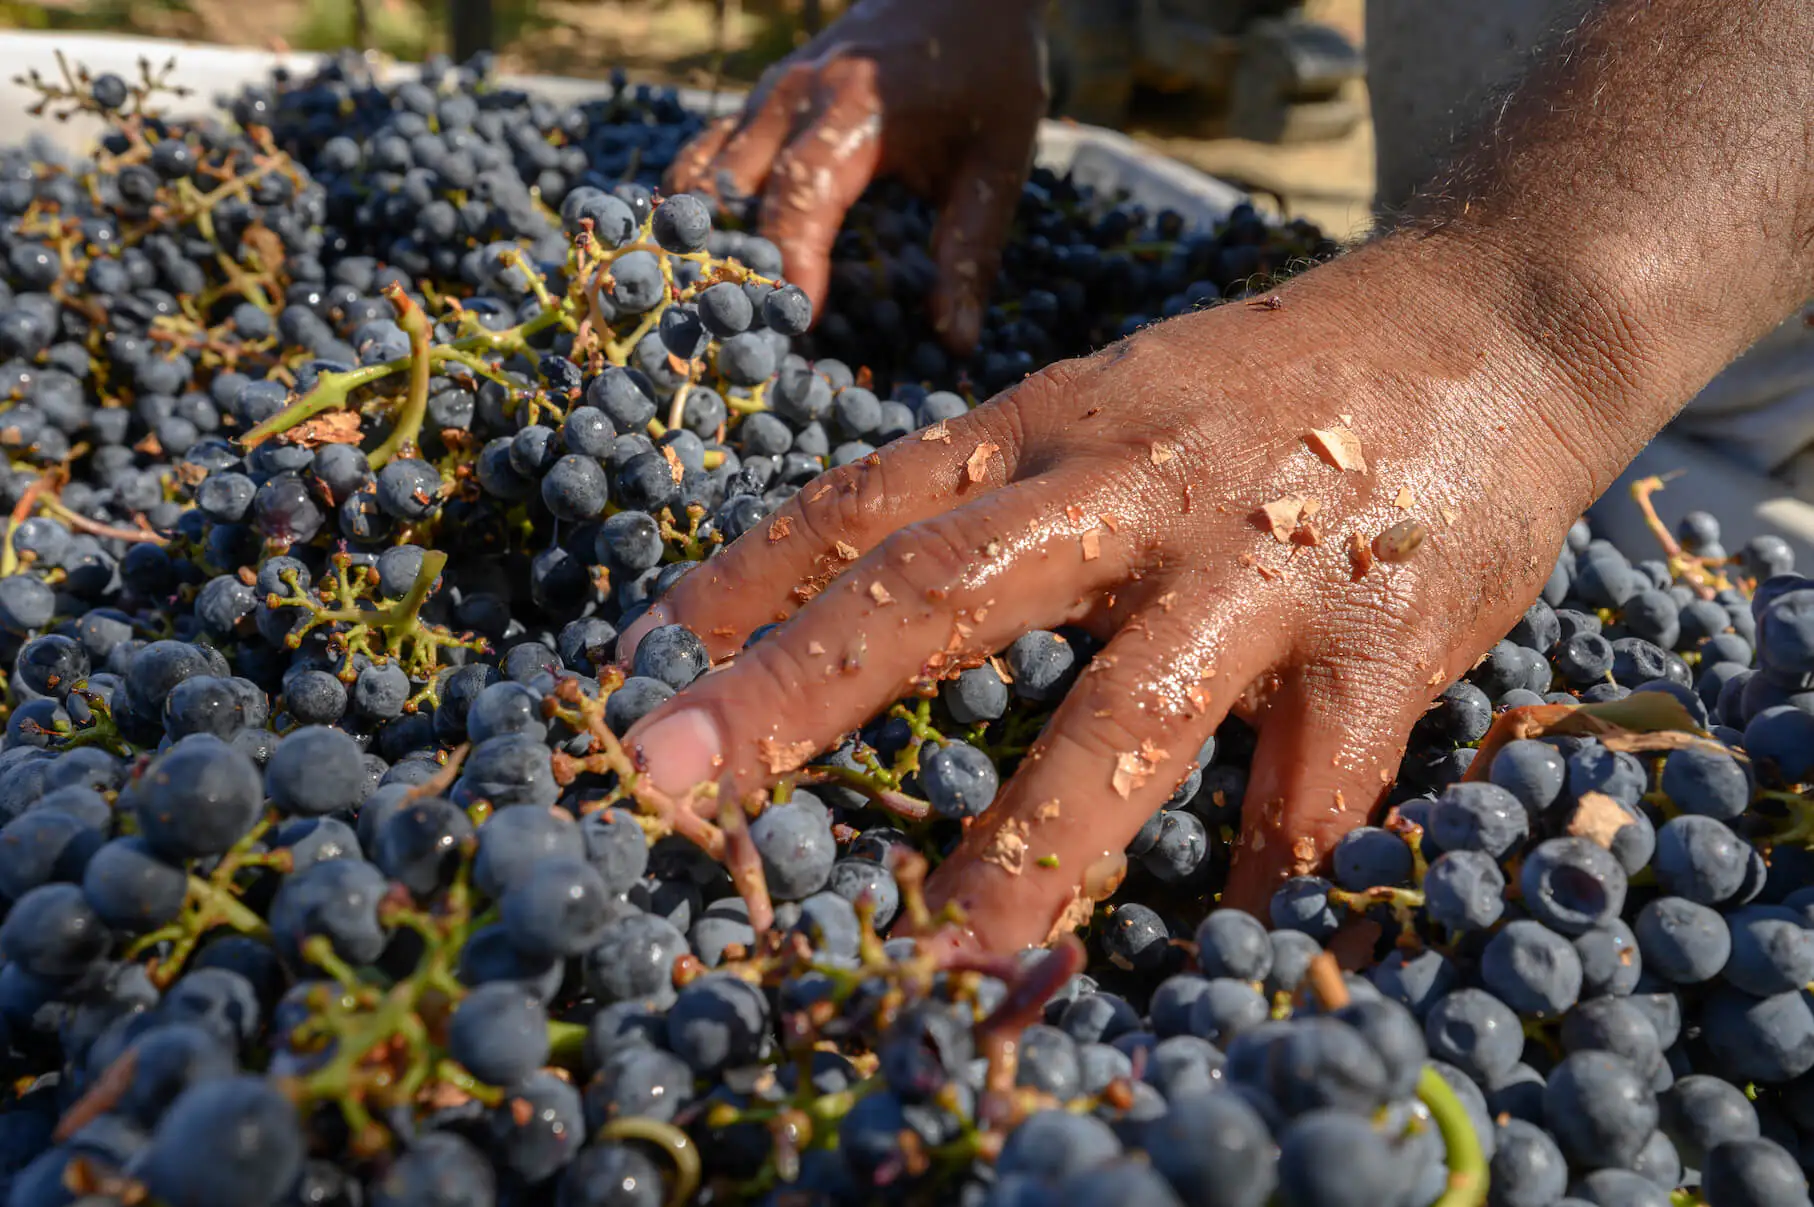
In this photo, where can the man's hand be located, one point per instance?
(1630, 223)
(1317, 511)
(942, 94)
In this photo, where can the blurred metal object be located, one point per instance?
(471, 27)
(1253, 69)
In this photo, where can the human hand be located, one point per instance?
(1141, 492)
(943, 95)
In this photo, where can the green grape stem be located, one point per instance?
(1467, 1162)
(209, 904)
(671, 1140)
(911, 808)
(575, 312)
(1800, 828)
(399, 624)
(383, 1047)
(403, 438)
(566, 1043)
(333, 391)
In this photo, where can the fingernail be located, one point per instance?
(680, 751)
(630, 638)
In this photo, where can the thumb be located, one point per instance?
(978, 210)
(1330, 745)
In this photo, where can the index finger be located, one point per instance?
(821, 173)
(946, 592)
(688, 173)
(769, 572)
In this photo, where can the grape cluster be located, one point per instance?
(1068, 284)
(1593, 889)
(345, 430)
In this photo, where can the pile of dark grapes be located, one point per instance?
(345, 431)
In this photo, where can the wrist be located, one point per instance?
(1438, 342)
(1573, 345)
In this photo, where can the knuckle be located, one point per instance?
(1367, 693)
(842, 70)
(844, 503)
(1083, 738)
(765, 676)
(1367, 630)
(776, 84)
(930, 558)
(1012, 417)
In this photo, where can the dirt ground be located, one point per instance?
(676, 41)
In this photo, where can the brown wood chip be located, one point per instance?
(880, 594)
(1130, 772)
(1134, 767)
(1280, 517)
(977, 467)
(1007, 848)
(1598, 817)
(782, 757)
(266, 243)
(937, 433)
(335, 427)
(1338, 446)
(1092, 545)
(1076, 912)
(779, 529)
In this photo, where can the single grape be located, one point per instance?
(958, 779)
(251, 1135)
(499, 1033)
(1600, 1109)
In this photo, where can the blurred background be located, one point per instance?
(1267, 94)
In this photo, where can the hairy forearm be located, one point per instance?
(1643, 202)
